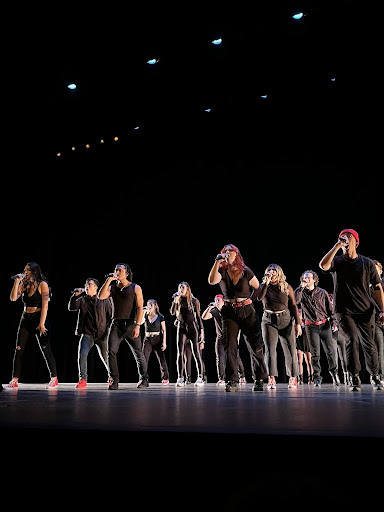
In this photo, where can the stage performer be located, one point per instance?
(214, 311)
(33, 287)
(190, 327)
(280, 321)
(93, 323)
(127, 298)
(320, 322)
(155, 339)
(379, 327)
(352, 276)
(236, 280)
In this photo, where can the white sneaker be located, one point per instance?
(199, 382)
(292, 382)
(220, 382)
(271, 383)
(180, 382)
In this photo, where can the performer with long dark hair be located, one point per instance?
(33, 287)
(236, 280)
(280, 322)
(189, 324)
(155, 338)
(353, 274)
(127, 300)
(93, 323)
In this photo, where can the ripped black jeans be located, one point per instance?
(27, 328)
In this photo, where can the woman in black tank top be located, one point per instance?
(33, 288)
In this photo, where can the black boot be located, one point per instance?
(258, 385)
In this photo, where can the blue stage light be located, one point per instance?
(217, 41)
(264, 96)
(298, 16)
(152, 61)
(72, 86)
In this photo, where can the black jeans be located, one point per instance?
(246, 319)
(122, 330)
(361, 327)
(322, 334)
(27, 328)
(279, 326)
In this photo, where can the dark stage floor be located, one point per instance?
(305, 411)
(197, 448)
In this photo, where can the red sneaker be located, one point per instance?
(53, 383)
(82, 383)
(14, 383)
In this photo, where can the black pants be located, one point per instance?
(187, 332)
(27, 328)
(246, 319)
(154, 343)
(122, 330)
(275, 327)
(321, 335)
(361, 327)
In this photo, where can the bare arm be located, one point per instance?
(44, 292)
(379, 294)
(214, 275)
(139, 310)
(104, 290)
(17, 288)
(326, 261)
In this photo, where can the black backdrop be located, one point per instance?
(278, 176)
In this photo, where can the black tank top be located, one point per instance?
(34, 301)
(124, 302)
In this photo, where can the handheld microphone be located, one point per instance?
(343, 240)
(221, 257)
(17, 276)
(77, 290)
(175, 295)
(111, 274)
(212, 304)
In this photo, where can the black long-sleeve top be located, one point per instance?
(316, 304)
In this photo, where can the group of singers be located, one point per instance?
(302, 320)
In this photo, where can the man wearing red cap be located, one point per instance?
(352, 276)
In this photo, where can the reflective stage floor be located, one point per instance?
(191, 447)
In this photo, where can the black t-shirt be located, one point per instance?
(351, 279)
(154, 326)
(239, 290)
(217, 316)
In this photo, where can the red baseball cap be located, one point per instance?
(353, 232)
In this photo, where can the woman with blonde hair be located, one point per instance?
(280, 322)
(189, 325)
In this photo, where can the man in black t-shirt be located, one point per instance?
(352, 276)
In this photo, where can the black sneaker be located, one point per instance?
(335, 378)
(376, 382)
(317, 383)
(231, 386)
(143, 383)
(258, 385)
(356, 383)
(113, 385)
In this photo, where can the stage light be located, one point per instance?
(73, 148)
(298, 16)
(264, 96)
(136, 127)
(116, 139)
(333, 79)
(87, 146)
(72, 86)
(207, 110)
(153, 61)
(58, 154)
(217, 41)
(102, 141)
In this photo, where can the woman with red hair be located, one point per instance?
(236, 281)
